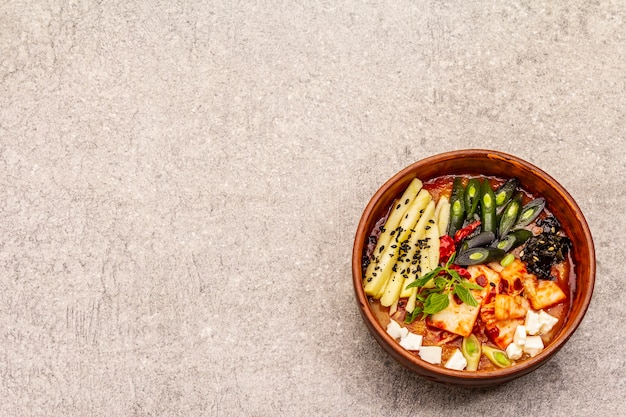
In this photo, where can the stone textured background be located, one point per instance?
(180, 183)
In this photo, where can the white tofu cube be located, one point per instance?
(514, 351)
(532, 323)
(519, 338)
(533, 346)
(411, 341)
(431, 354)
(546, 322)
(396, 331)
(457, 361)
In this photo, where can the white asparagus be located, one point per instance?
(392, 223)
(391, 252)
(420, 235)
(432, 235)
(442, 215)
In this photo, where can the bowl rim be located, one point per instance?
(395, 349)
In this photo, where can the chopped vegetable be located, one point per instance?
(510, 214)
(530, 212)
(507, 260)
(505, 192)
(481, 239)
(471, 197)
(475, 256)
(471, 350)
(457, 206)
(497, 357)
(513, 239)
(488, 216)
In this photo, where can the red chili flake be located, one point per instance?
(482, 280)
(466, 231)
(493, 333)
(446, 248)
(504, 286)
(517, 284)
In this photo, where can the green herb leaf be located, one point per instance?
(435, 303)
(450, 260)
(454, 274)
(411, 317)
(465, 295)
(420, 282)
(436, 298)
(471, 286)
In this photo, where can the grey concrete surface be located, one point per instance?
(180, 183)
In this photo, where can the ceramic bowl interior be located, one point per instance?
(539, 183)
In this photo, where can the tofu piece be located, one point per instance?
(546, 322)
(396, 331)
(510, 306)
(431, 354)
(411, 341)
(457, 361)
(519, 338)
(532, 323)
(513, 351)
(533, 346)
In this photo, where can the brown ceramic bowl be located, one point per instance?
(499, 164)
